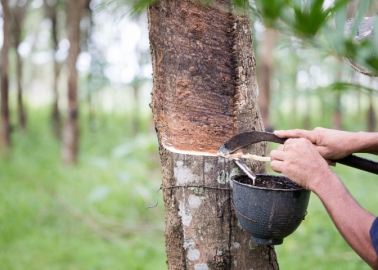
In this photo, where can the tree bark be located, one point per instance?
(70, 135)
(5, 124)
(18, 12)
(265, 71)
(204, 91)
(51, 13)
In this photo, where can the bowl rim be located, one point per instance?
(264, 188)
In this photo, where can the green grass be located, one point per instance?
(93, 216)
(89, 216)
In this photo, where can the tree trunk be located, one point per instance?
(5, 124)
(18, 13)
(337, 119)
(70, 135)
(204, 92)
(51, 13)
(265, 71)
(136, 112)
(371, 118)
(308, 114)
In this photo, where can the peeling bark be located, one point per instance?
(204, 92)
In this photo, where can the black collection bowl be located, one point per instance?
(269, 214)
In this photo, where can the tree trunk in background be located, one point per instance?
(70, 135)
(136, 111)
(337, 119)
(265, 71)
(308, 113)
(5, 124)
(56, 121)
(371, 118)
(204, 92)
(18, 12)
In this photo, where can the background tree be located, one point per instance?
(70, 135)
(5, 120)
(51, 11)
(18, 12)
(265, 70)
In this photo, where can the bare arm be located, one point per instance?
(335, 144)
(301, 162)
(352, 221)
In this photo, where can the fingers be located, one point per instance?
(296, 133)
(276, 165)
(331, 163)
(277, 155)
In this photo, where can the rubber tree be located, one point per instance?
(4, 77)
(51, 10)
(70, 134)
(265, 73)
(18, 14)
(204, 91)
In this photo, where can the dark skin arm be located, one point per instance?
(302, 162)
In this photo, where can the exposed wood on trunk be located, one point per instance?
(4, 69)
(52, 13)
(265, 71)
(204, 92)
(18, 12)
(70, 135)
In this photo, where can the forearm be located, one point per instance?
(365, 142)
(352, 221)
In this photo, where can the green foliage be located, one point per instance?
(310, 20)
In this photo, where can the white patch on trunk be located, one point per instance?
(222, 177)
(190, 244)
(236, 245)
(234, 171)
(194, 201)
(183, 174)
(186, 219)
(193, 254)
(201, 266)
(208, 167)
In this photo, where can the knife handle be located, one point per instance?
(354, 161)
(363, 164)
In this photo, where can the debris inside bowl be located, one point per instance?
(268, 181)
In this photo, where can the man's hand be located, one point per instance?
(331, 144)
(300, 161)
